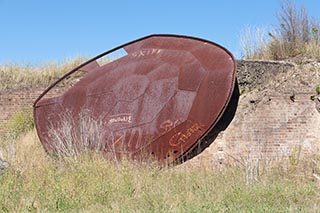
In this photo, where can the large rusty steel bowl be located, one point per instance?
(158, 101)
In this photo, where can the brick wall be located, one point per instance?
(271, 131)
(13, 101)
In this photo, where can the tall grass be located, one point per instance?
(35, 182)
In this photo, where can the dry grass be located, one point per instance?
(36, 182)
(72, 135)
(253, 41)
(17, 76)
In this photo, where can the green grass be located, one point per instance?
(35, 182)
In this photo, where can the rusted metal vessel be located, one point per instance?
(157, 101)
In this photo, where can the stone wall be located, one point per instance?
(252, 72)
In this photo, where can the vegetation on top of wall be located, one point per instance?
(297, 35)
(17, 76)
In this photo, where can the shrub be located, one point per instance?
(296, 35)
(20, 123)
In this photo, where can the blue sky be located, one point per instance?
(35, 31)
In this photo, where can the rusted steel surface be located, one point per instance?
(157, 101)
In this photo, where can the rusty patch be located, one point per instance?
(158, 101)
